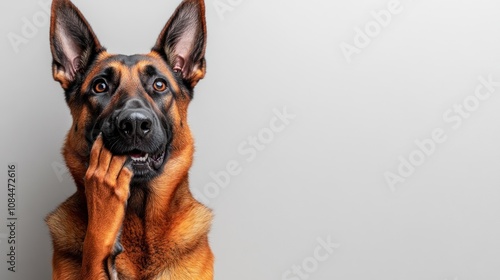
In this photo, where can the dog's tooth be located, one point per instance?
(141, 159)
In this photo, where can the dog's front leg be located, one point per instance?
(107, 189)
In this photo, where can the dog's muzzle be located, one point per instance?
(135, 130)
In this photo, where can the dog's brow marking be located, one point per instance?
(139, 69)
(99, 66)
(167, 72)
(103, 55)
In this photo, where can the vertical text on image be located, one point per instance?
(11, 223)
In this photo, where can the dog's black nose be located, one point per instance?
(134, 123)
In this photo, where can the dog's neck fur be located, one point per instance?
(164, 210)
(158, 197)
(168, 191)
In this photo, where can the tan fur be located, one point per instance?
(164, 232)
(169, 242)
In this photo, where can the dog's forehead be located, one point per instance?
(131, 67)
(135, 61)
(129, 60)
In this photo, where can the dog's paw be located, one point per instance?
(107, 190)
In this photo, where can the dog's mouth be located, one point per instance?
(143, 159)
(145, 165)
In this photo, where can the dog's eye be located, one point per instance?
(100, 86)
(160, 85)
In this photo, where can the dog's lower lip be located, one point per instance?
(158, 160)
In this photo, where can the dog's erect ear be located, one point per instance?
(183, 41)
(72, 42)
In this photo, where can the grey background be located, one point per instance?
(322, 176)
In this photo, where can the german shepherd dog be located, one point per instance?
(129, 150)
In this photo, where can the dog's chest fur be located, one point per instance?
(151, 249)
